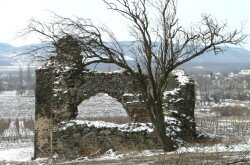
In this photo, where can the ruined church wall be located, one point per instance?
(63, 83)
(59, 94)
(85, 138)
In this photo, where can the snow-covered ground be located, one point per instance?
(14, 106)
(19, 151)
(24, 154)
(231, 103)
(101, 105)
(17, 154)
(240, 147)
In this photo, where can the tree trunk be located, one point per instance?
(160, 127)
(167, 143)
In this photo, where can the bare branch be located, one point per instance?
(158, 49)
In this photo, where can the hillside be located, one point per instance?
(230, 55)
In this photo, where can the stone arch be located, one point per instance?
(63, 83)
(115, 85)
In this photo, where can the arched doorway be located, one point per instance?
(102, 107)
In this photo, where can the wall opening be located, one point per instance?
(103, 107)
(62, 84)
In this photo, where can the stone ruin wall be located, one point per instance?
(62, 84)
(85, 138)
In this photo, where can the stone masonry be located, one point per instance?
(63, 83)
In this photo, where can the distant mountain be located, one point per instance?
(7, 48)
(4, 47)
(230, 55)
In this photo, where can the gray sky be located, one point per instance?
(14, 15)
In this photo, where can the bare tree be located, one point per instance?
(161, 45)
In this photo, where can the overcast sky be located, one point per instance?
(15, 14)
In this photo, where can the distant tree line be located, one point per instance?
(216, 88)
(20, 80)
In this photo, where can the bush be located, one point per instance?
(4, 124)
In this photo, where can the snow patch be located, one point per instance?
(18, 154)
(181, 76)
(130, 127)
(172, 92)
(171, 120)
(128, 94)
(203, 110)
(110, 154)
(245, 146)
(227, 104)
(67, 68)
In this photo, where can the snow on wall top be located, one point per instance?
(129, 127)
(182, 79)
(181, 76)
(172, 92)
(119, 71)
